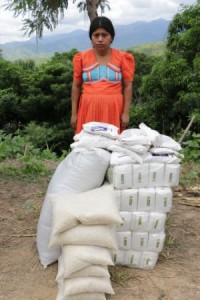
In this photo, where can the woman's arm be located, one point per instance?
(127, 95)
(76, 92)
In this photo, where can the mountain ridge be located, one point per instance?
(127, 36)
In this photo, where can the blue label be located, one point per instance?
(99, 128)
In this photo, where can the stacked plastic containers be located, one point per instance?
(144, 194)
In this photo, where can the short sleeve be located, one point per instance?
(77, 63)
(128, 66)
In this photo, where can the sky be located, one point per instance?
(122, 12)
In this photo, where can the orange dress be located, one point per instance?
(101, 98)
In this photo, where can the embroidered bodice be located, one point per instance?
(97, 72)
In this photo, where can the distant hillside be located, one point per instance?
(127, 36)
(157, 48)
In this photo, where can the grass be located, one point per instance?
(120, 275)
(190, 174)
(33, 170)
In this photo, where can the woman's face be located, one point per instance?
(101, 39)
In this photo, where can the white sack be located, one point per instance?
(100, 128)
(81, 285)
(135, 156)
(161, 158)
(165, 141)
(76, 173)
(82, 296)
(94, 207)
(140, 149)
(120, 158)
(152, 134)
(93, 270)
(134, 136)
(85, 296)
(78, 257)
(87, 140)
(93, 235)
(159, 150)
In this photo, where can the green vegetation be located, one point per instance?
(191, 148)
(156, 49)
(169, 94)
(20, 157)
(35, 99)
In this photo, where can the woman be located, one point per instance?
(102, 81)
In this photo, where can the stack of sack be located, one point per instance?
(77, 224)
(82, 170)
(84, 226)
(96, 135)
(144, 167)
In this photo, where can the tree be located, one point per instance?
(184, 32)
(171, 90)
(46, 13)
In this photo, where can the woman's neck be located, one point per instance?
(103, 57)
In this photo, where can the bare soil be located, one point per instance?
(176, 275)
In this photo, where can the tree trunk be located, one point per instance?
(92, 6)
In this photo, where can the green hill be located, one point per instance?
(157, 48)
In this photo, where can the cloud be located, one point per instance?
(122, 12)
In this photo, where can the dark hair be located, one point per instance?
(102, 22)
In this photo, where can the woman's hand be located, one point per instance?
(125, 117)
(124, 120)
(73, 121)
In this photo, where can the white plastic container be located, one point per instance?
(126, 218)
(124, 240)
(146, 199)
(129, 199)
(156, 242)
(139, 241)
(172, 173)
(132, 258)
(118, 257)
(156, 221)
(156, 174)
(140, 175)
(122, 176)
(163, 199)
(148, 260)
(139, 221)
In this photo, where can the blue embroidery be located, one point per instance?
(102, 72)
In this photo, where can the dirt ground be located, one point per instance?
(176, 275)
